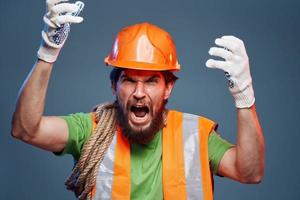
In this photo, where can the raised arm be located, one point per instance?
(28, 123)
(245, 161)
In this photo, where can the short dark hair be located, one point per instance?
(116, 72)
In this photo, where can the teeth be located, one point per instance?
(139, 110)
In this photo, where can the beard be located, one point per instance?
(141, 135)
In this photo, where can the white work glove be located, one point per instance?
(57, 20)
(236, 68)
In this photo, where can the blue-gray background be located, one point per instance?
(270, 30)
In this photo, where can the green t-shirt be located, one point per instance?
(146, 159)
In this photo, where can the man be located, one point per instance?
(135, 148)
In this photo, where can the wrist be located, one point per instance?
(47, 53)
(244, 98)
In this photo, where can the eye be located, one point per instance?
(128, 80)
(153, 80)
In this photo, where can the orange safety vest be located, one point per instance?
(185, 163)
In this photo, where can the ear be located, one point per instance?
(169, 88)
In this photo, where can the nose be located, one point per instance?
(139, 92)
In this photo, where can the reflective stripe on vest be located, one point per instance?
(113, 178)
(185, 163)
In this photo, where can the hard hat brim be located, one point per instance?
(140, 65)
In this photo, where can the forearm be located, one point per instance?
(31, 101)
(250, 146)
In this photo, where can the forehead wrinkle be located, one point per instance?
(140, 75)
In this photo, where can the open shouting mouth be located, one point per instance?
(139, 115)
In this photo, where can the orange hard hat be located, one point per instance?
(144, 47)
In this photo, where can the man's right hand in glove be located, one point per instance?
(29, 123)
(60, 14)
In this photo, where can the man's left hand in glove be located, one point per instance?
(236, 68)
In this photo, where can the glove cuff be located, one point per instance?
(245, 98)
(47, 53)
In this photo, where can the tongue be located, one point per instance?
(139, 113)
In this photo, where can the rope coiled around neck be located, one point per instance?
(84, 173)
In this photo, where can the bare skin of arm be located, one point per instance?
(28, 123)
(245, 161)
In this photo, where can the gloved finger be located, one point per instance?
(221, 52)
(49, 22)
(233, 38)
(62, 19)
(228, 44)
(240, 46)
(217, 64)
(49, 43)
(51, 3)
(64, 8)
